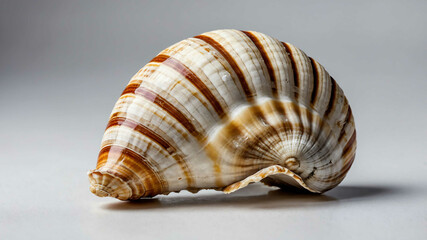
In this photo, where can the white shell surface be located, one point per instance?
(217, 108)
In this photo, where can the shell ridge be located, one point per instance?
(193, 78)
(266, 61)
(230, 60)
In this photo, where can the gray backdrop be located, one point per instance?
(64, 64)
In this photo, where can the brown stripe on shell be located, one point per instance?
(249, 95)
(130, 88)
(315, 81)
(132, 160)
(349, 144)
(346, 121)
(339, 175)
(102, 160)
(299, 125)
(323, 126)
(231, 130)
(213, 154)
(144, 130)
(266, 59)
(310, 120)
(226, 141)
(308, 129)
(294, 69)
(332, 97)
(282, 111)
(295, 108)
(292, 108)
(266, 136)
(346, 167)
(305, 130)
(170, 109)
(268, 130)
(135, 83)
(348, 163)
(194, 79)
(160, 58)
(122, 113)
(252, 117)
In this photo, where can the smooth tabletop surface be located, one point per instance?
(64, 64)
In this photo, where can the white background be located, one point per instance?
(64, 64)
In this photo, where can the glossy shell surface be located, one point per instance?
(221, 110)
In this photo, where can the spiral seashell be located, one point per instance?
(221, 110)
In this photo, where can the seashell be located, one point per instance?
(221, 110)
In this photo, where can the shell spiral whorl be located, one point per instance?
(221, 110)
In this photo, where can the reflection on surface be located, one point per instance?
(256, 196)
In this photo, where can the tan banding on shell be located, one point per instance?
(222, 110)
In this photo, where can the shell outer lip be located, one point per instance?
(264, 173)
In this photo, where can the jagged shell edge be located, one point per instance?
(262, 174)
